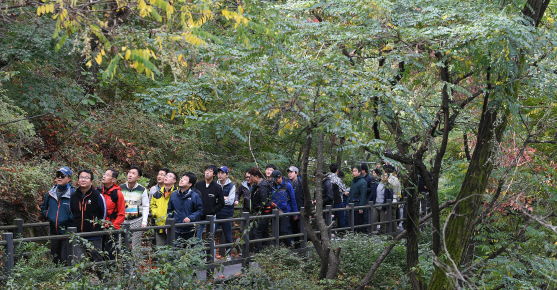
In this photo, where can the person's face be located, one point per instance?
(169, 178)
(268, 172)
(374, 174)
(279, 180)
(133, 176)
(107, 177)
(378, 166)
(62, 179)
(292, 175)
(254, 179)
(209, 174)
(185, 182)
(385, 177)
(355, 172)
(247, 178)
(85, 180)
(161, 176)
(222, 176)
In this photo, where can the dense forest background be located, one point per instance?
(462, 90)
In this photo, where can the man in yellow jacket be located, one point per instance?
(159, 206)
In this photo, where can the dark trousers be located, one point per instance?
(340, 216)
(358, 220)
(59, 251)
(226, 230)
(261, 231)
(297, 229)
(284, 229)
(108, 245)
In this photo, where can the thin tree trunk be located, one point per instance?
(412, 227)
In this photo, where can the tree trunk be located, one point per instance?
(412, 227)
(461, 223)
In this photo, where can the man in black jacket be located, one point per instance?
(86, 205)
(296, 183)
(211, 196)
(260, 205)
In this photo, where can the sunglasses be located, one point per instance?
(60, 175)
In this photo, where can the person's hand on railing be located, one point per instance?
(187, 220)
(361, 211)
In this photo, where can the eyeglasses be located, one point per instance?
(60, 175)
(247, 177)
(84, 178)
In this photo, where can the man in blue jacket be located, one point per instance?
(357, 195)
(283, 198)
(185, 206)
(56, 208)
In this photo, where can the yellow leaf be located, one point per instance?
(173, 114)
(444, 17)
(99, 58)
(128, 53)
(88, 64)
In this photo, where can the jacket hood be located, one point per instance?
(66, 194)
(359, 177)
(188, 193)
(228, 181)
(245, 184)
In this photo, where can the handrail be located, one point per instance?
(8, 240)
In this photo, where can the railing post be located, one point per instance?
(351, 216)
(276, 227)
(8, 253)
(303, 229)
(371, 214)
(171, 235)
(329, 218)
(126, 225)
(72, 245)
(389, 215)
(246, 232)
(211, 230)
(19, 224)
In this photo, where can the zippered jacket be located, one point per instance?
(115, 213)
(58, 211)
(244, 191)
(136, 197)
(87, 207)
(358, 191)
(260, 198)
(283, 196)
(185, 205)
(228, 189)
(213, 200)
(159, 206)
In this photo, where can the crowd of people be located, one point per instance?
(187, 200)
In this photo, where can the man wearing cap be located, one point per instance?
(283, 198)
(56, 208)
(296, 183)
(227, 212)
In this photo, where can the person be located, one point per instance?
(56, 208)
(211, 195)
(136, 197)
(383, 194)
(296, 224)
(283, 198)
(326, 190)
(338, 189)
(243, 191)
(115, 208)
(260, 205)
(370, 185)
(388, 168)
(185, 205)
(268, 170)
(159, 205)
(227, 211)
(397, 189)
(160, 182)
(357, 194)
(87, 204)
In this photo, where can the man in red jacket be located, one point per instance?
(115, 207)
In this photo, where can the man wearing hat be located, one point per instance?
(296, 223)
(56, 208)
(283, 198)
(227, 211)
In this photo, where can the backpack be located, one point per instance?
(114, 198)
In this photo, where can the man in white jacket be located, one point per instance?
(137, 203)
(229, 193)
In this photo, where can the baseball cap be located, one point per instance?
(224, 169)
(65, 170)
(275, 175)
(294, 169)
